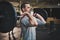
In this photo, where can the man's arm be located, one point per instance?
(32, 19)
(40, 17)
(29, 20)
(40, 20)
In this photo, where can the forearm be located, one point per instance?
(41, 18)
(32, 20)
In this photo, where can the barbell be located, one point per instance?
(7, 16)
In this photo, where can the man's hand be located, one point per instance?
(26, 13)
(23, 14)
(32, 19)
(34, 14)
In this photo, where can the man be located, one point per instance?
(29, 22)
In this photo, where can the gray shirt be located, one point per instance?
(29, 31)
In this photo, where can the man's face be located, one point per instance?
(27, 7)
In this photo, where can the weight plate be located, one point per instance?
(8, 22)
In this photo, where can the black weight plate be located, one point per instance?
(42, 12)
(9, 21)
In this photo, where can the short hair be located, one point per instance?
(23, 5)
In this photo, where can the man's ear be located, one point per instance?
(23, 9)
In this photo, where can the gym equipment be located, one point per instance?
(8, 17)
(42, 12)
